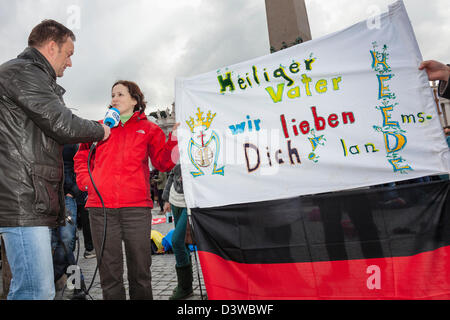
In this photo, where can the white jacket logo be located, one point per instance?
(141, 131)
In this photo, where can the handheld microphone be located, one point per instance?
(112, 119)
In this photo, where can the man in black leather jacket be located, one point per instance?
(34, 126)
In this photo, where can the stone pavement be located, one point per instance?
(164, 277)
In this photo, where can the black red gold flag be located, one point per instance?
(374, 243)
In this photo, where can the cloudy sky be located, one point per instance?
(153, 41)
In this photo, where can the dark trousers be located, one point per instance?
(133, 227)
(85, 225)
(160, 199)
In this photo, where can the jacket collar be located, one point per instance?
(138, 116)
(135, 118)
(33, 54)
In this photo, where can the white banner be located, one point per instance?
(348, 110)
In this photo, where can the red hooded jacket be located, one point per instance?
(120, 166)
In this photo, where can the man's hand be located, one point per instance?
(166, 207)
(107, 132)
(435, 70)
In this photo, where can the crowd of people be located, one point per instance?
(47, 157)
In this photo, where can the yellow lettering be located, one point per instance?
(294, 93)
(336, 83)
(278, 96)
(321, 86)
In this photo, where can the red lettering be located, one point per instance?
(348, 116)
(304, 127)
(283, 125)
(333, 120)
(294, 128)
(319, 122)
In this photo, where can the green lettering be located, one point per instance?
(241, 83)
(280, 73)
(308, 63)
(294, 67)
(226, 83)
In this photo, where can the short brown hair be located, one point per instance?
(135, 93)
(49, 30)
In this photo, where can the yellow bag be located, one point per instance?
(157, 240)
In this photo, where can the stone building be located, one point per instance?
(288, 23)
(165, 119)
(442, 105)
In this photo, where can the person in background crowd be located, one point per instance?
(174, 197)
(121, 174)
(83, 213)
(83, 219)
(447, 135)
(153, 189)
(64, 237)
(161, 180)
(34, 125)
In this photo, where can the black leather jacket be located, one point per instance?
(34, 126)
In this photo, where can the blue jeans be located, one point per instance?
(63, 241)
(182, 254)
(30, 257)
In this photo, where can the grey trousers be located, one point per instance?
(133, 227)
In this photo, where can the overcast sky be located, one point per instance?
(153, 41)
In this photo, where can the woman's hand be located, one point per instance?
(167, 207)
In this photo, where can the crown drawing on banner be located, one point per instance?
(200, 121)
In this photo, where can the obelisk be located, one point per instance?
(288, 23)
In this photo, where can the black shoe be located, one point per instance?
(78, 294)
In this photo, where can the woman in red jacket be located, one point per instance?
(120, 171)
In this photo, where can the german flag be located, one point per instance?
(374, 243)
